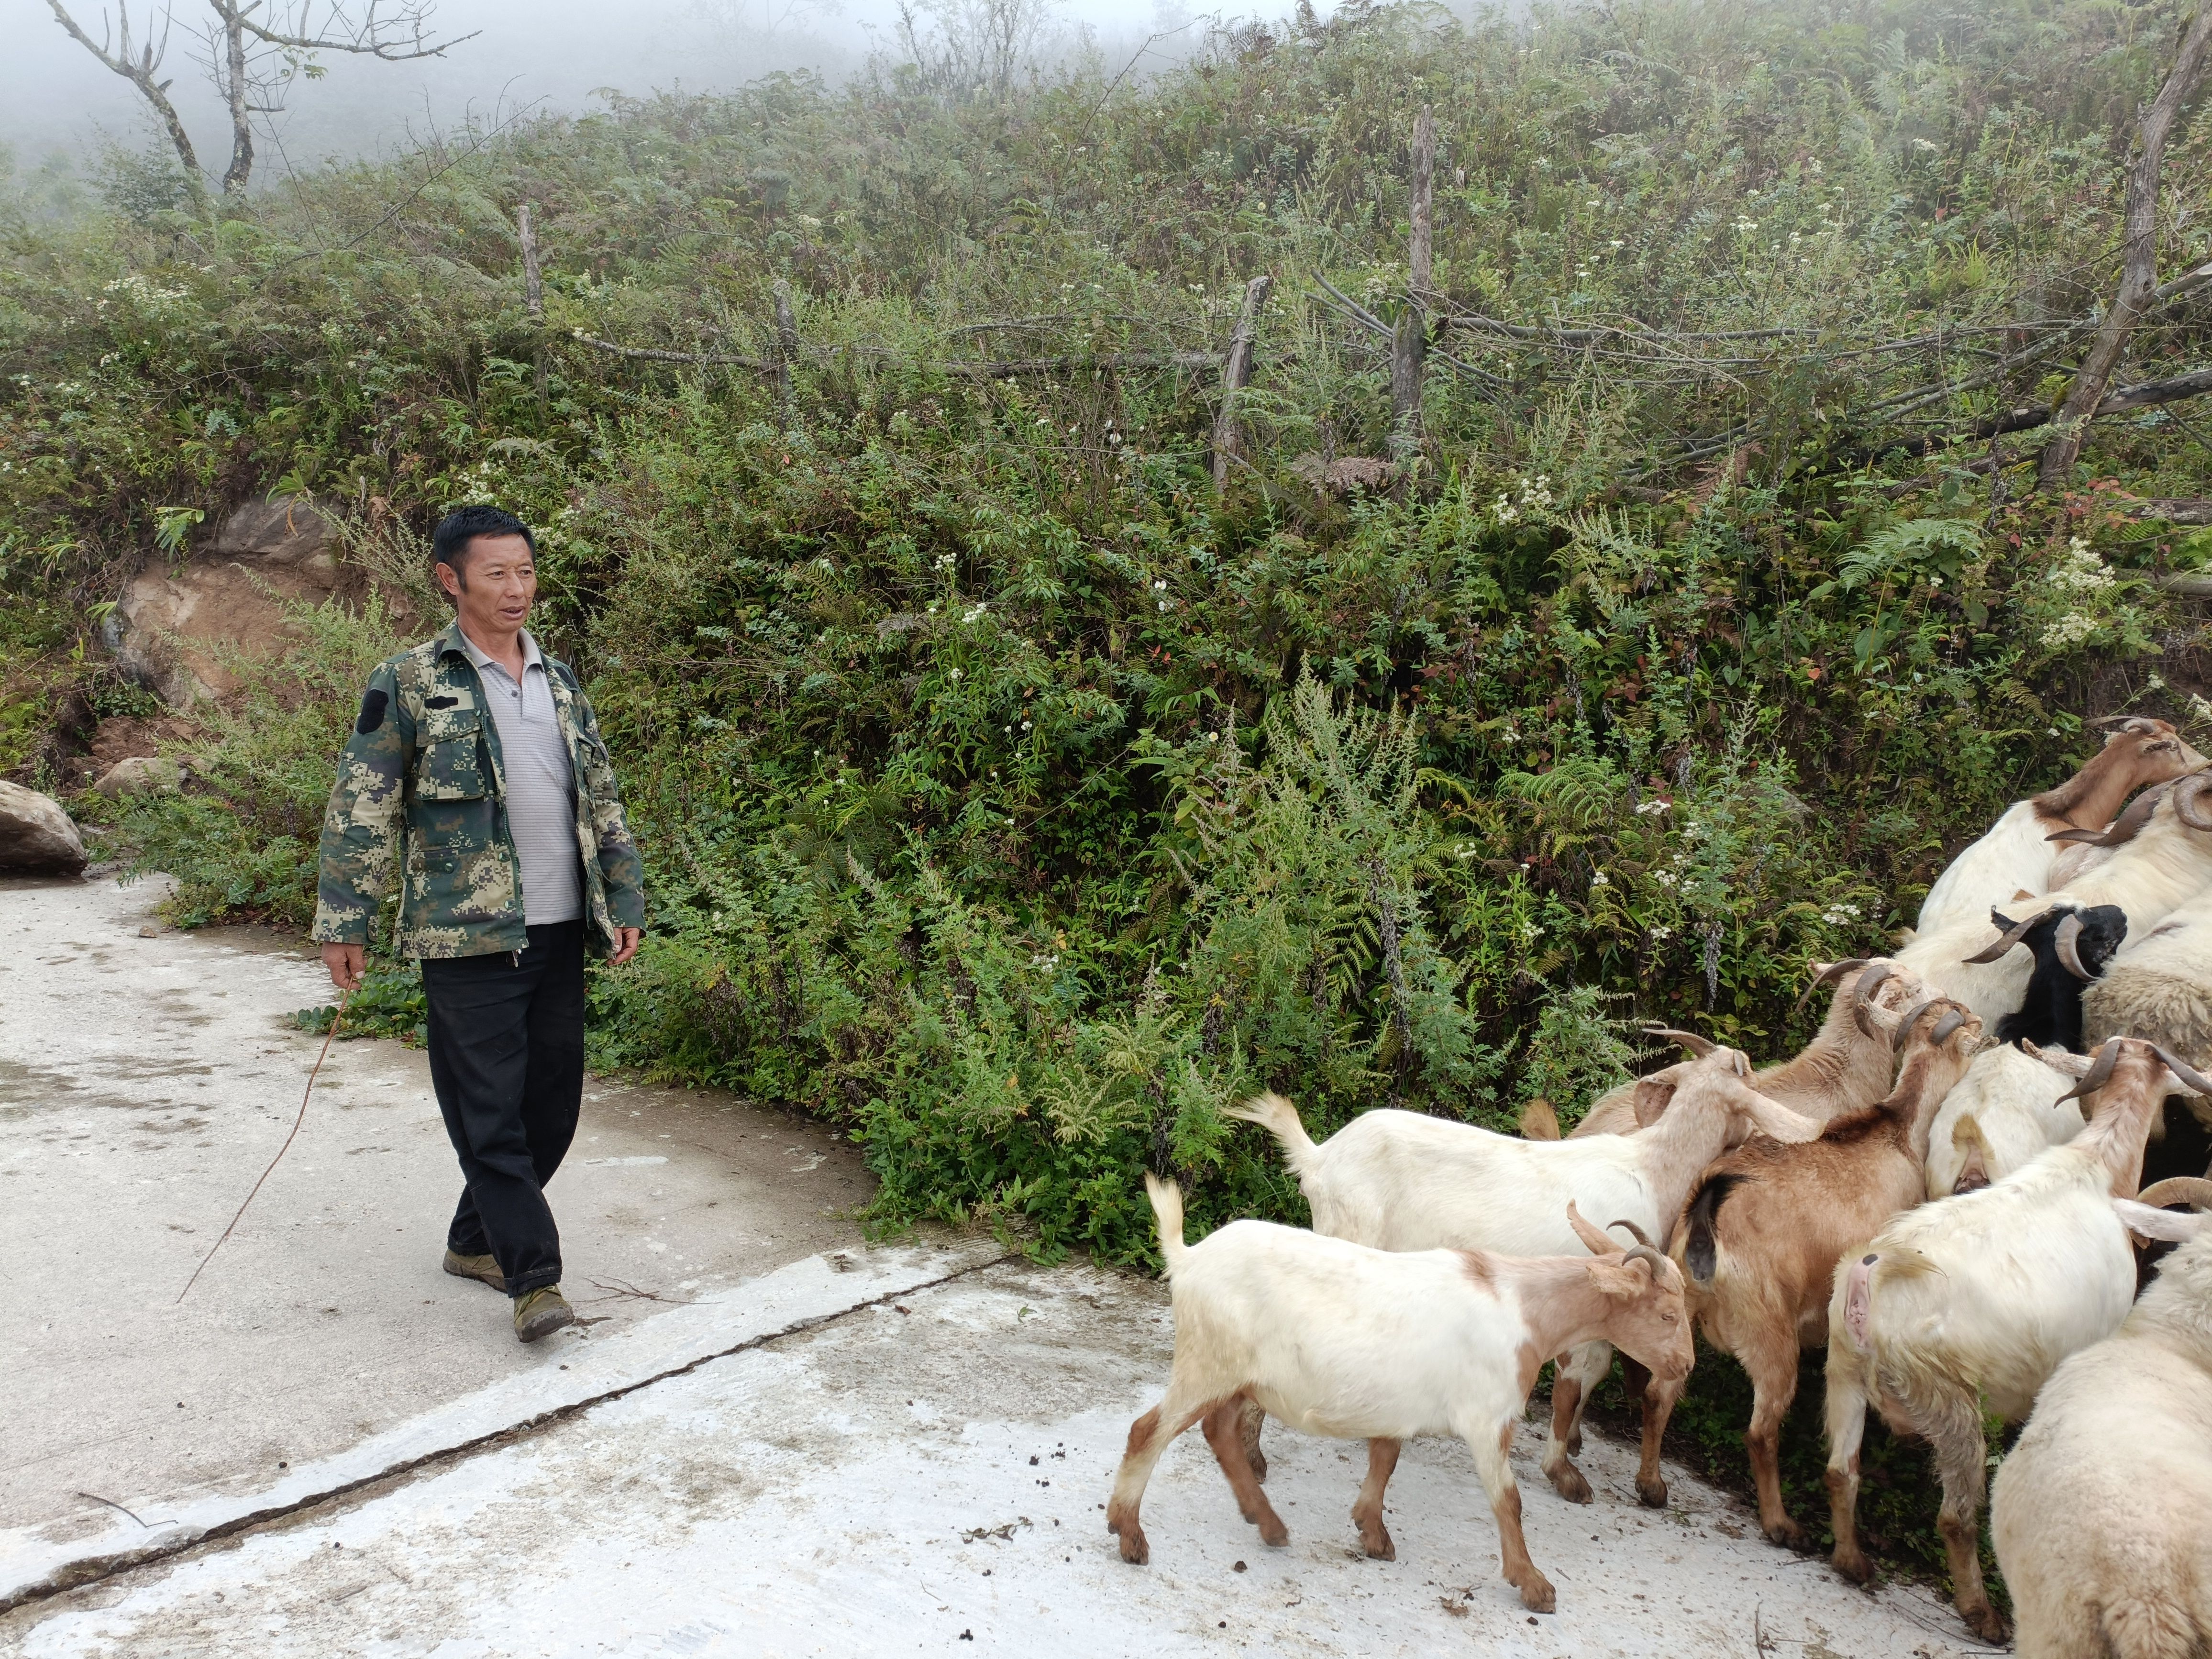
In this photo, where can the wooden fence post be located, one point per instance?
(1236, 371)
(1409, 343)
(786, 347)
(533, 277)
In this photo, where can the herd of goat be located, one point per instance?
(1906, 1191)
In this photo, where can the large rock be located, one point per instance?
(136, 775)
(175, 625)
(36, 834)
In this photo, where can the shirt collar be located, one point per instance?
(531, 656)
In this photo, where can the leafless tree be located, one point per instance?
(973, 45)
(252, 51)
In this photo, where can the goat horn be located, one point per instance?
(2068, 944)
(2098, 1075)
(2184, 799)
(2192, 1190)
(2194, 1081)
(1950, 1023)
(1696, 1045)
(2006, 941)
(1905, 1026)
(1645, 1253)
(1638, 1233)
(1832, 971)
(1869, 982)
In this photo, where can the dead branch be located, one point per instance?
(1236, 371)
(2139, 269)
(139, 69)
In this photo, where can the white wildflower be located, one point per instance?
(2069, 630)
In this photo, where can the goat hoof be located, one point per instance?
(1379, 1547)
(1853, 1566)
(1134, 1549)
(1986, 1622)
(1272, 1533)
(1567, 1480)
(1652, 1494)
(1537, 1594)
(1786, 1533)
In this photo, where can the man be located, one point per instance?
(506, 839)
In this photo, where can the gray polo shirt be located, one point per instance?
(541, 789)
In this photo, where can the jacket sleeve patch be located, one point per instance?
(372, 711)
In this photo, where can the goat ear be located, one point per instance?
(2164, 1226)
(1617, 1282)
(1777, 1122)
(1653, 1095)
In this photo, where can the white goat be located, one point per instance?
(1399, 1181)
(1968, 1304)
(2016, 856)
(2000, 1116)
(1846, 1067)
(2102, 1514)
(1339, 1339)
(2152, 871)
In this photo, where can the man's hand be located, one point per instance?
(344, 962)
(626, 944)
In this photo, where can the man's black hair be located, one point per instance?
(449, 543)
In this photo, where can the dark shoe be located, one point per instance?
(481, 1267)
(542, 1312)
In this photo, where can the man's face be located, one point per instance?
(495, 586)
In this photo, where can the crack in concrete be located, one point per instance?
(92, 1570)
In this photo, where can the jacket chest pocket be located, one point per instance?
(452, 767)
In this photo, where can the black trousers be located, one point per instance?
(507, 1059)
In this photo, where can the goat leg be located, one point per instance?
(1575, 1375)
(1223, 1426)
(1954, 1429)
(1367, 1512)
(1247, 1429)
(1658, 1401)
(1773, 1369)
(1149, 1436)
(1846, 1414)
(1496, 1471)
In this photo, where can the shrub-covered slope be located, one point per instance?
(1015, 796)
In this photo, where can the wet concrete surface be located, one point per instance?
(146, 1081)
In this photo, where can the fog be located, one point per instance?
(59, 105)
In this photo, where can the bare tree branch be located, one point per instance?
(139, 69)
(252, 62)
(2139, 269)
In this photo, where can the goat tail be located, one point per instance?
(1167, 1213)
(1858, 1299)
(2149, 1627)
(1701, 1250)
(1279, 1119)
(1973, 1149)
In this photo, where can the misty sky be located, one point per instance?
(55, 97)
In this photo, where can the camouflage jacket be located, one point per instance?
(421, 797)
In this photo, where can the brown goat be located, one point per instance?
(1846, 1066)
(1761, 1237)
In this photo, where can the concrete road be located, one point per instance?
(148, 1076)
(826, 1449)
